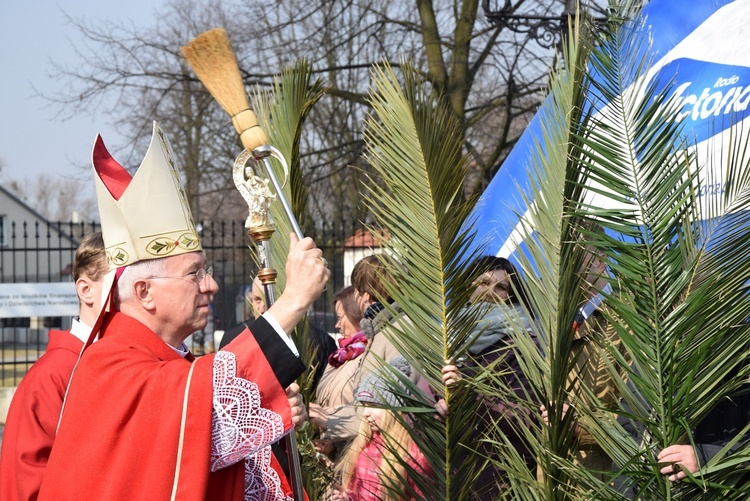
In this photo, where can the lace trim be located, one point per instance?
(240, 426)
(261, 481)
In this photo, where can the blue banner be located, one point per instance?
(700, 49)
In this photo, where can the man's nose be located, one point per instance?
(209, 284)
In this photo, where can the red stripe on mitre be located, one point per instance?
(259, 371)
(113, 175)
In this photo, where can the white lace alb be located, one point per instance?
(243, 430)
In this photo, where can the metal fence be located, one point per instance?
(42, 253)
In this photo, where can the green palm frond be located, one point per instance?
(406, 143)
(413, 146)
(680, 305)
(550, 261)
(282, 113)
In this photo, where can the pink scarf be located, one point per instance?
(350, 348)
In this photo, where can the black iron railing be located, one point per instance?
(39, 253)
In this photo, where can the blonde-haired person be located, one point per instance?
(31, 425)
(381, 462)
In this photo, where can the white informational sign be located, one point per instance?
(38, 300)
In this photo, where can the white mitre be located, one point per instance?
(144, 216)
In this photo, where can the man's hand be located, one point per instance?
(318, 416)
(679, 459)
(299, 412)
(306, 278)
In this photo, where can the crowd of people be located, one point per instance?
(119, 408)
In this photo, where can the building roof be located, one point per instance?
(34, 215)
(367, 239)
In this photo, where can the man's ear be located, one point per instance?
(85, 291)
(143, 293)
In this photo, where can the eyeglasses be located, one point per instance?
(197, 276)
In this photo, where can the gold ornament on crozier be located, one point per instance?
(258, 197)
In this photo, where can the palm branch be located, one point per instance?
(551, 259)
(413, 146)
(282, 113)
(680, 305)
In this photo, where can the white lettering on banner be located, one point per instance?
(38, 300)
(723, 82)
(716, 102)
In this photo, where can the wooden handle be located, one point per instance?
(251, 134)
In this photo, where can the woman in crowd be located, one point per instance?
(334, 388)
(340, 419)
(492, 346)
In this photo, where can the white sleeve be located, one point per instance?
(282, 334)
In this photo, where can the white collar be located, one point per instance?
(80, 330)
(181, 350)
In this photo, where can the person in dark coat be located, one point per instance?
(492, 345)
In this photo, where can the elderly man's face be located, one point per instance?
(182, 301)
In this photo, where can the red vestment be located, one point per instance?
(131, 431)
(32, 418)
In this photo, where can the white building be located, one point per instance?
(33, 249)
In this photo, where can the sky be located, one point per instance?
(33, 141)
